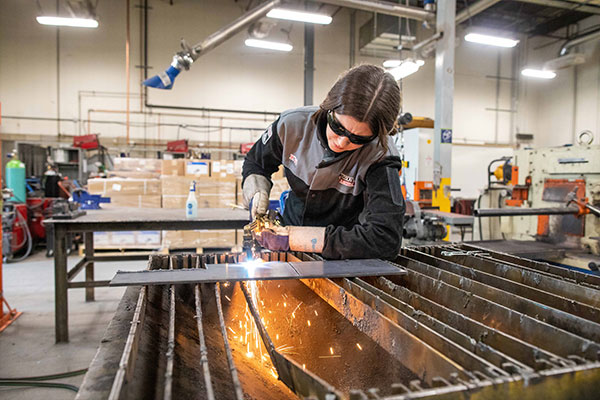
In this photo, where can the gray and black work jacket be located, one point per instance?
(355, 194)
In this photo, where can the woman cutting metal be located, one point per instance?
(342, 168)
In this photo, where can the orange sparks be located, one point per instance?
(308, 322)
(277, 336)
(232, 331)
(316, 313)
(331, 350)
(273, 373)
(284, 304)
(359, 346)
(303, 366)
(249, 354)
(227, 297)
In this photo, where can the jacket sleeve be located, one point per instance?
(380, 233)
(264, 157)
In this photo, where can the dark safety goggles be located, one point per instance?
(339, 130)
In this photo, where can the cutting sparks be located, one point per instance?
(359, 346)
(331, 350)
(308, 322)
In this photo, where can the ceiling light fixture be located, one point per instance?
(491, 40)
(266, 44)
(538, 73)
(405, 68)
(73, 22)
(300, 16)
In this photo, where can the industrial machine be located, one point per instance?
(546, 202)
(456, 321)
(417, 176)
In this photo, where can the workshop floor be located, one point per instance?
(27, 347)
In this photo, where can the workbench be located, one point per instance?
(121, 219)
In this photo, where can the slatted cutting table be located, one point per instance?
(121, 219)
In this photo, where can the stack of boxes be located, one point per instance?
(136, 183)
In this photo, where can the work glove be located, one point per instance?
(256, 189)
(297, 238)
(276, 238)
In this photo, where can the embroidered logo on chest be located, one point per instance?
(293, 159)
(346, 180)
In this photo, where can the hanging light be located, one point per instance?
(73, 22)
(490, 40)
(269, 45)
(300, 16)
(402, 68)
(538, 73)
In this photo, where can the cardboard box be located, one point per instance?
(137, 164)
(210, 193)
(199, 239)
(133, 174)
(197, 168)
(137, 201)
(121, 186)
(173, 167)
(128, 240)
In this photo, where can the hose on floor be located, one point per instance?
(35, 381)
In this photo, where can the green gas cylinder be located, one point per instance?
(15, 179)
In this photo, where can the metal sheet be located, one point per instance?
(258, 271)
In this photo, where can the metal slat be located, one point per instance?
(168, 390)
(509, 345)
(127, 362)
(419, 357)
(514, 296)
(239, 395)
(571, 274)
(447, 346)
(453, 333)
(523, 275)
(302, 382)
(480, 302)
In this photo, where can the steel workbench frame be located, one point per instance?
(97, 221)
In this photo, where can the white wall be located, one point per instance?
(231, 76)
(558, 109)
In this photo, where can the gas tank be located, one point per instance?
(15, 179)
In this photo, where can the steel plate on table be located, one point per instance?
(258, 271)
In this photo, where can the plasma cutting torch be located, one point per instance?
(261, 222)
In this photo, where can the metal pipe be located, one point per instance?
(510, 212)
(384, 7)
(593, 35)
(233, 28)
(127, 30)
(474, 9)
(589, 8)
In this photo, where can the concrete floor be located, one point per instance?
(27, 347)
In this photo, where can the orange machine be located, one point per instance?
(423, 192)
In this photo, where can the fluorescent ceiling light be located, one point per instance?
(392, 63)
(75, 22)
(406, 68)
(301, 16)
(396, 63)
(538, 73)
(265, 44)
(491, 40)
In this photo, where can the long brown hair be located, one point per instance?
(370, 95)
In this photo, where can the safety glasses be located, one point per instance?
(339, 130)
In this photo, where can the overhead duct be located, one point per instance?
(384, 7)
(593, 35)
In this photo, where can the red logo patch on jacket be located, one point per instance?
(346, 180)
(293, 159)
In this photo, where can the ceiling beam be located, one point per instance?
(567, 5)
(474, 9)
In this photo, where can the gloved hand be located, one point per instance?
(257, 188)
(275, 239)
(297, 238)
